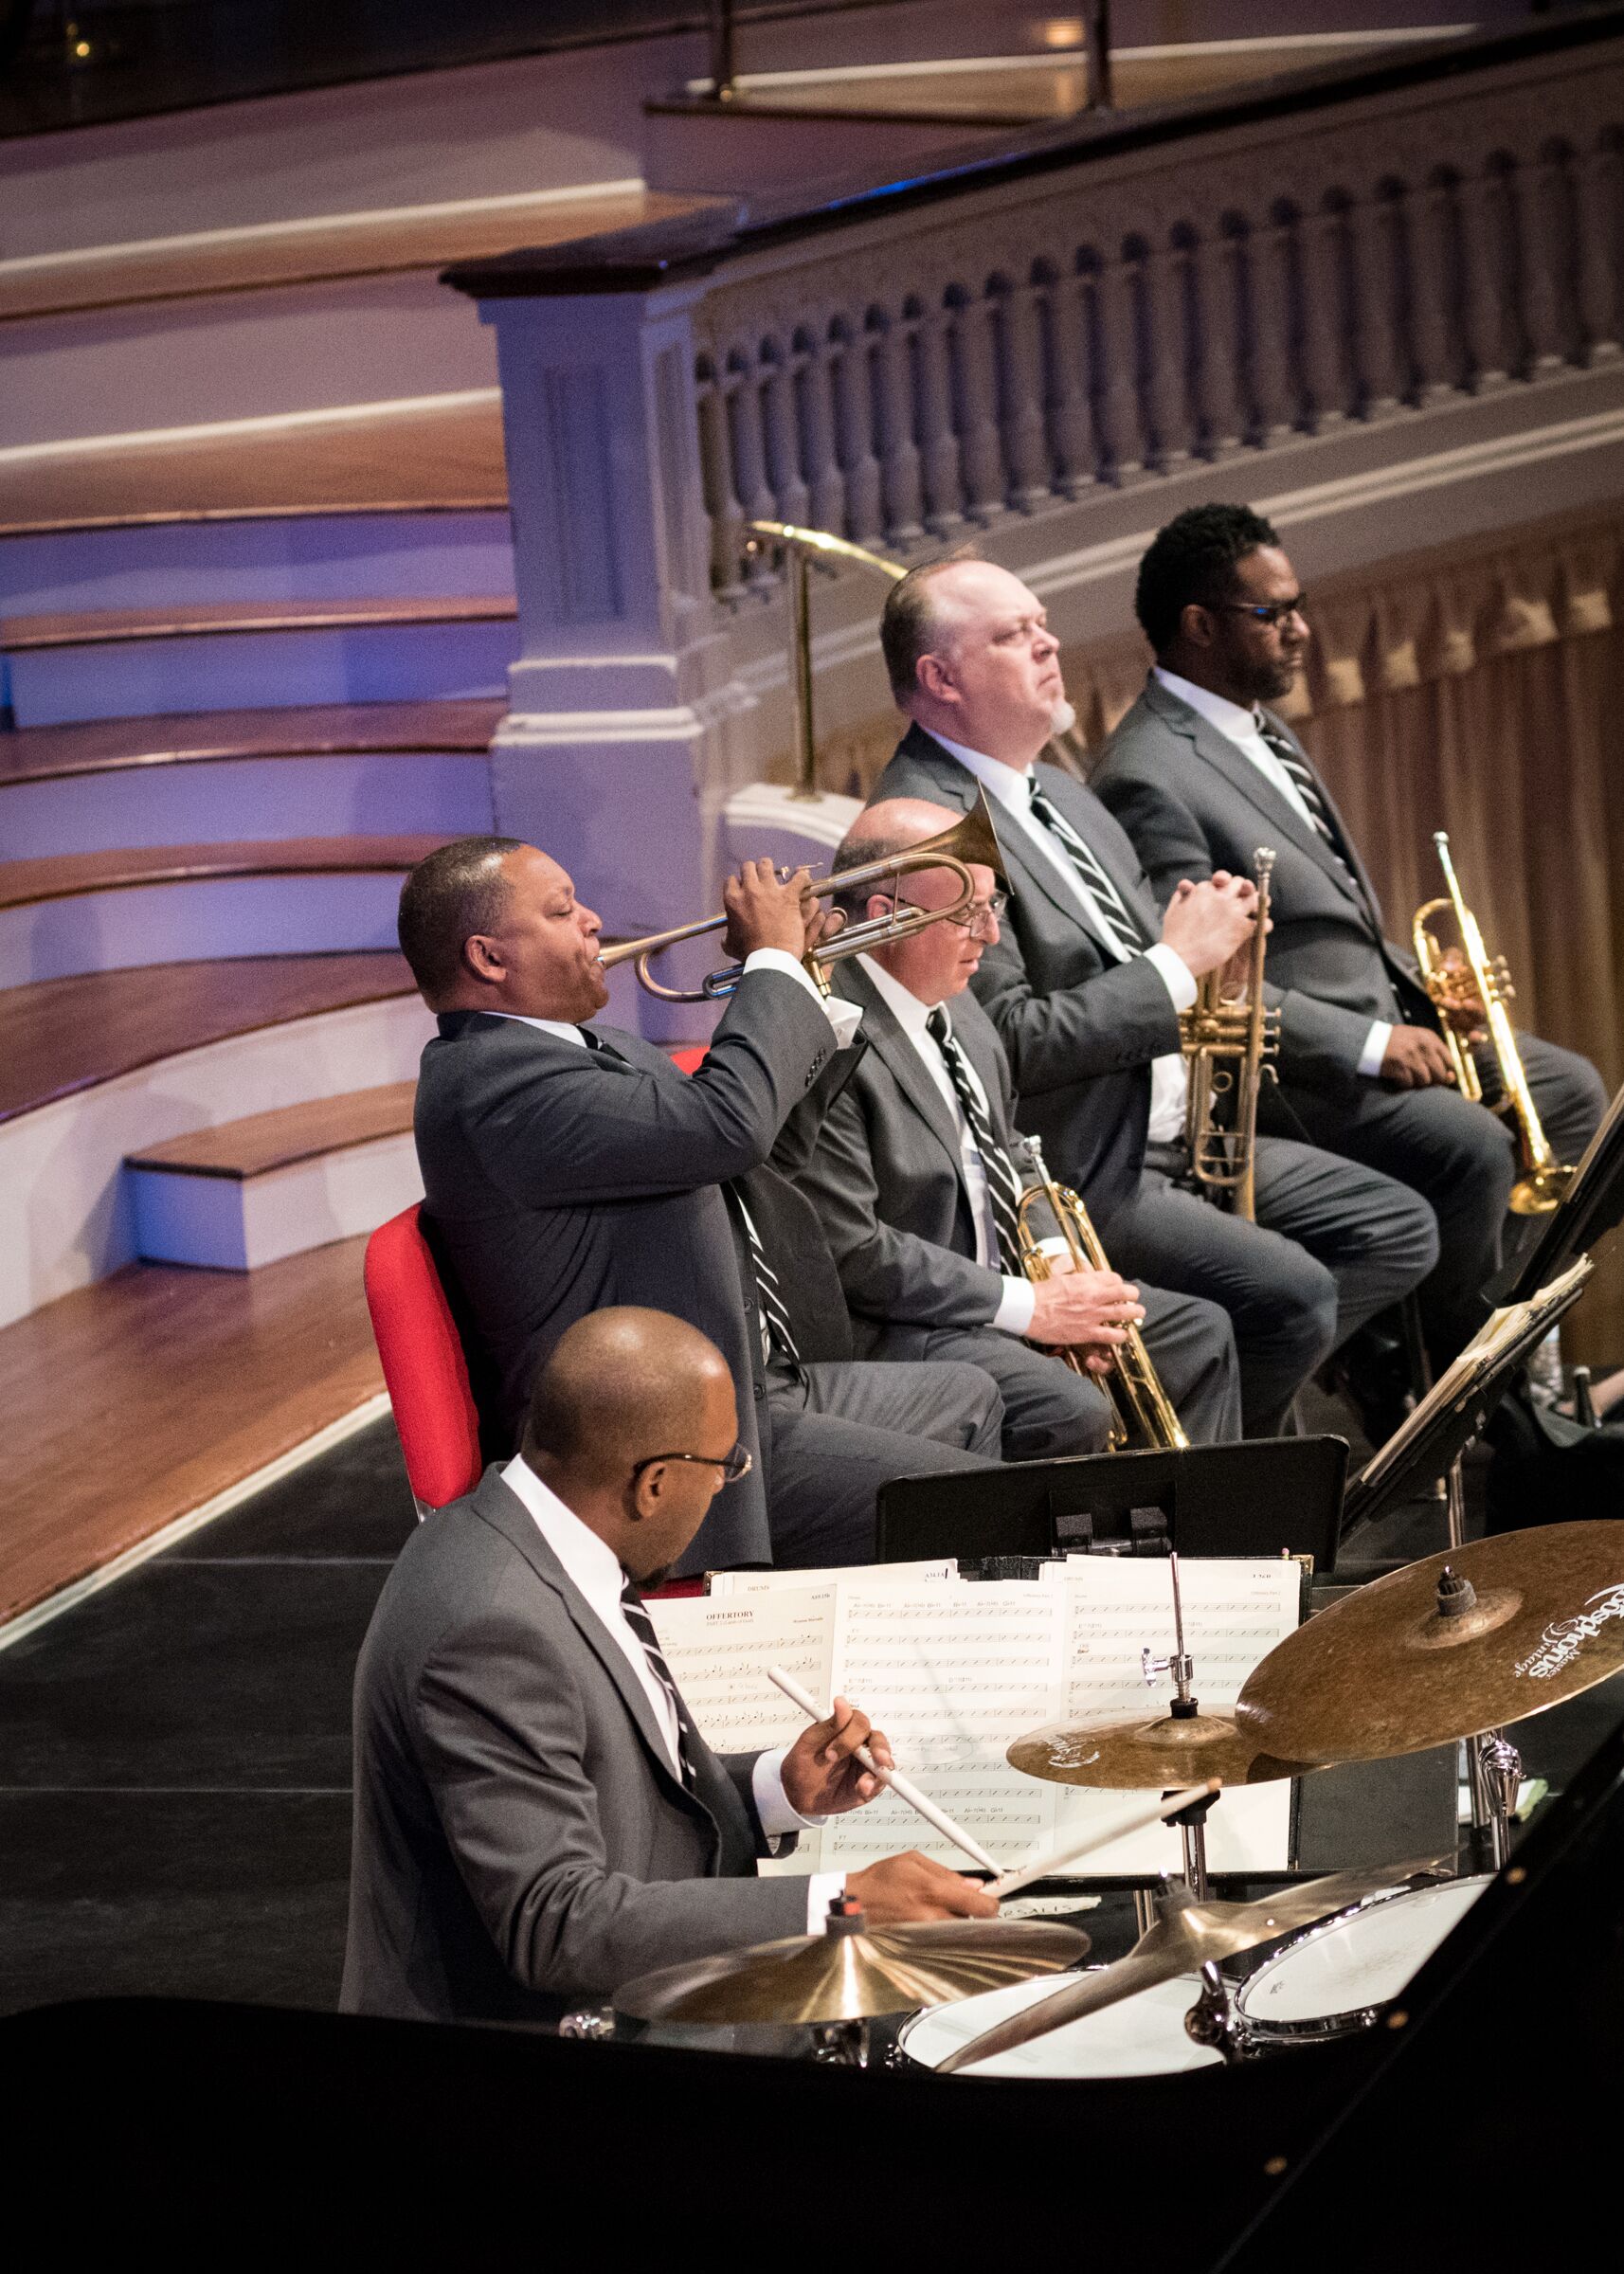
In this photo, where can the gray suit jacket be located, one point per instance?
(886, 1175)
(518, 1841)
(560, 1180)
(1192, 803)
(1080, 1029)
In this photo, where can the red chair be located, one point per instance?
(690, 1057)
(425, 1369)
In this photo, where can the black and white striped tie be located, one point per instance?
(1303, 781)
(769, 1298)
(1116, 914)
(1004, 1185)
(642, 1627)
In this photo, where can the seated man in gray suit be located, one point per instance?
(1199, 774)
(537, 1818)
(1085, 987)
(565, 1168)
(917, 1173)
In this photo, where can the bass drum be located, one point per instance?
(1335, 1978)
(1143, 2036)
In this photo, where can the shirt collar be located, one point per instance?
(1010, 784)
(1233, 719)
(588, 1561)
(909, 1012)
(560, 1027)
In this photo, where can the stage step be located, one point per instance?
(344, 769)
(115, 662)
(247, 1193)
(73, 913)
(418, 552)
(133, 1403)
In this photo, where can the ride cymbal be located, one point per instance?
(849, 1975)
(1448, 1648)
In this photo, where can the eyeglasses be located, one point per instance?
(976, 919)
(732, 1465)
(1269, 612)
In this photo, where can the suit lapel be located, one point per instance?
(887, 1041)
(501, 1507)
(1280, 816)
(1028, 871)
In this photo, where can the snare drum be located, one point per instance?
(1143, 2036)
(1335, 1978)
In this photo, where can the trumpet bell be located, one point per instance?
(1542, 1190)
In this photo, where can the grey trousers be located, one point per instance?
(1333, 1244)
(1462, 1159)
(1049, 1411)
(840, 1432)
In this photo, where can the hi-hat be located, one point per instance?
(1138, 1756)
(1460, 1643)
(849, 1975)
(1180, 1941)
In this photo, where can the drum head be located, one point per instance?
(1143, 2036)
(1365, 1959)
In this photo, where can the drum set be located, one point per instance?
(1446, 1651)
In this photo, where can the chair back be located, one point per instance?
(424, 1368)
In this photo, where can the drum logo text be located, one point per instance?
(1560, 1644)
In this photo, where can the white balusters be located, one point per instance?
(1164, 382)
(1269, 297)
(1210, 292)
(1435, 292)
(1533, 189)
(826, 483)
(1600, 222)
(1374, 253)
(1019, 381)
(716, 472)
(974, 399)
(1061, 313)
(781, 435)
(1116, 398)
(1326, 388)
(1484, 264)
(854, 432)
(939, 465)
(899, 480)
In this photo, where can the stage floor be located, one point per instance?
(174, 1758)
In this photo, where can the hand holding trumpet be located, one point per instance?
(772, 907)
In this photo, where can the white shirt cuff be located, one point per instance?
(821, 1889)
(779, 1817)
(1175, 973)
(1014, 1314)
(844, 1018)
(1375, 1049)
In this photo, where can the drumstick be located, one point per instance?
(1102, 1836)
(899, 1784)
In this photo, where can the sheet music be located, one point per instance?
(879, 1575)
(952, 1675)
(719, 1650)
(1235, 1614)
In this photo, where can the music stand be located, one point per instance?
(1429, 1442)
(1588, 1211)
(1267, 1497)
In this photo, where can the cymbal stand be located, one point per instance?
(840, 2043)
(1492, 1765)
(1183, 1706)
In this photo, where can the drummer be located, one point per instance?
(537, 1820)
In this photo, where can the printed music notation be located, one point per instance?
(952, 1670)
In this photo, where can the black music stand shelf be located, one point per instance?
(1269, 1496)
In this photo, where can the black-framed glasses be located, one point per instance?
(975, 917)
(732, 1465)
(1269, 612)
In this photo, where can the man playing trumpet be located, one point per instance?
(918, 1173)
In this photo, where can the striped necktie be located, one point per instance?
(1303, 781)
(642, 1627)
(777, 1334)
(1004, 1185)
(1114, 914)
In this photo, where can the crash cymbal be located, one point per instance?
(1140, 1755)
(1180, 1941)
(847, 1976)
(1412, 1660)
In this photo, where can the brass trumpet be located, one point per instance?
(1546, 1177)
(970, 840)
(1136, 1397)
(1212, 1031)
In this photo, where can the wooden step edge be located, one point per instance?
(263, 1142)
(91, 745)
(25, 635)
(71, 876)
(485, 501)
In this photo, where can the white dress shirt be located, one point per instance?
(1012, 787)
(1014, 1313)
(594, 1568)
(1245, 730)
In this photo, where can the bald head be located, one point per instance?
(939, 961)
(970, 656)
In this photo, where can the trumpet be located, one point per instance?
(1136, 1396)
(1213, 1031)
(1545, 1178)
(971, 840)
